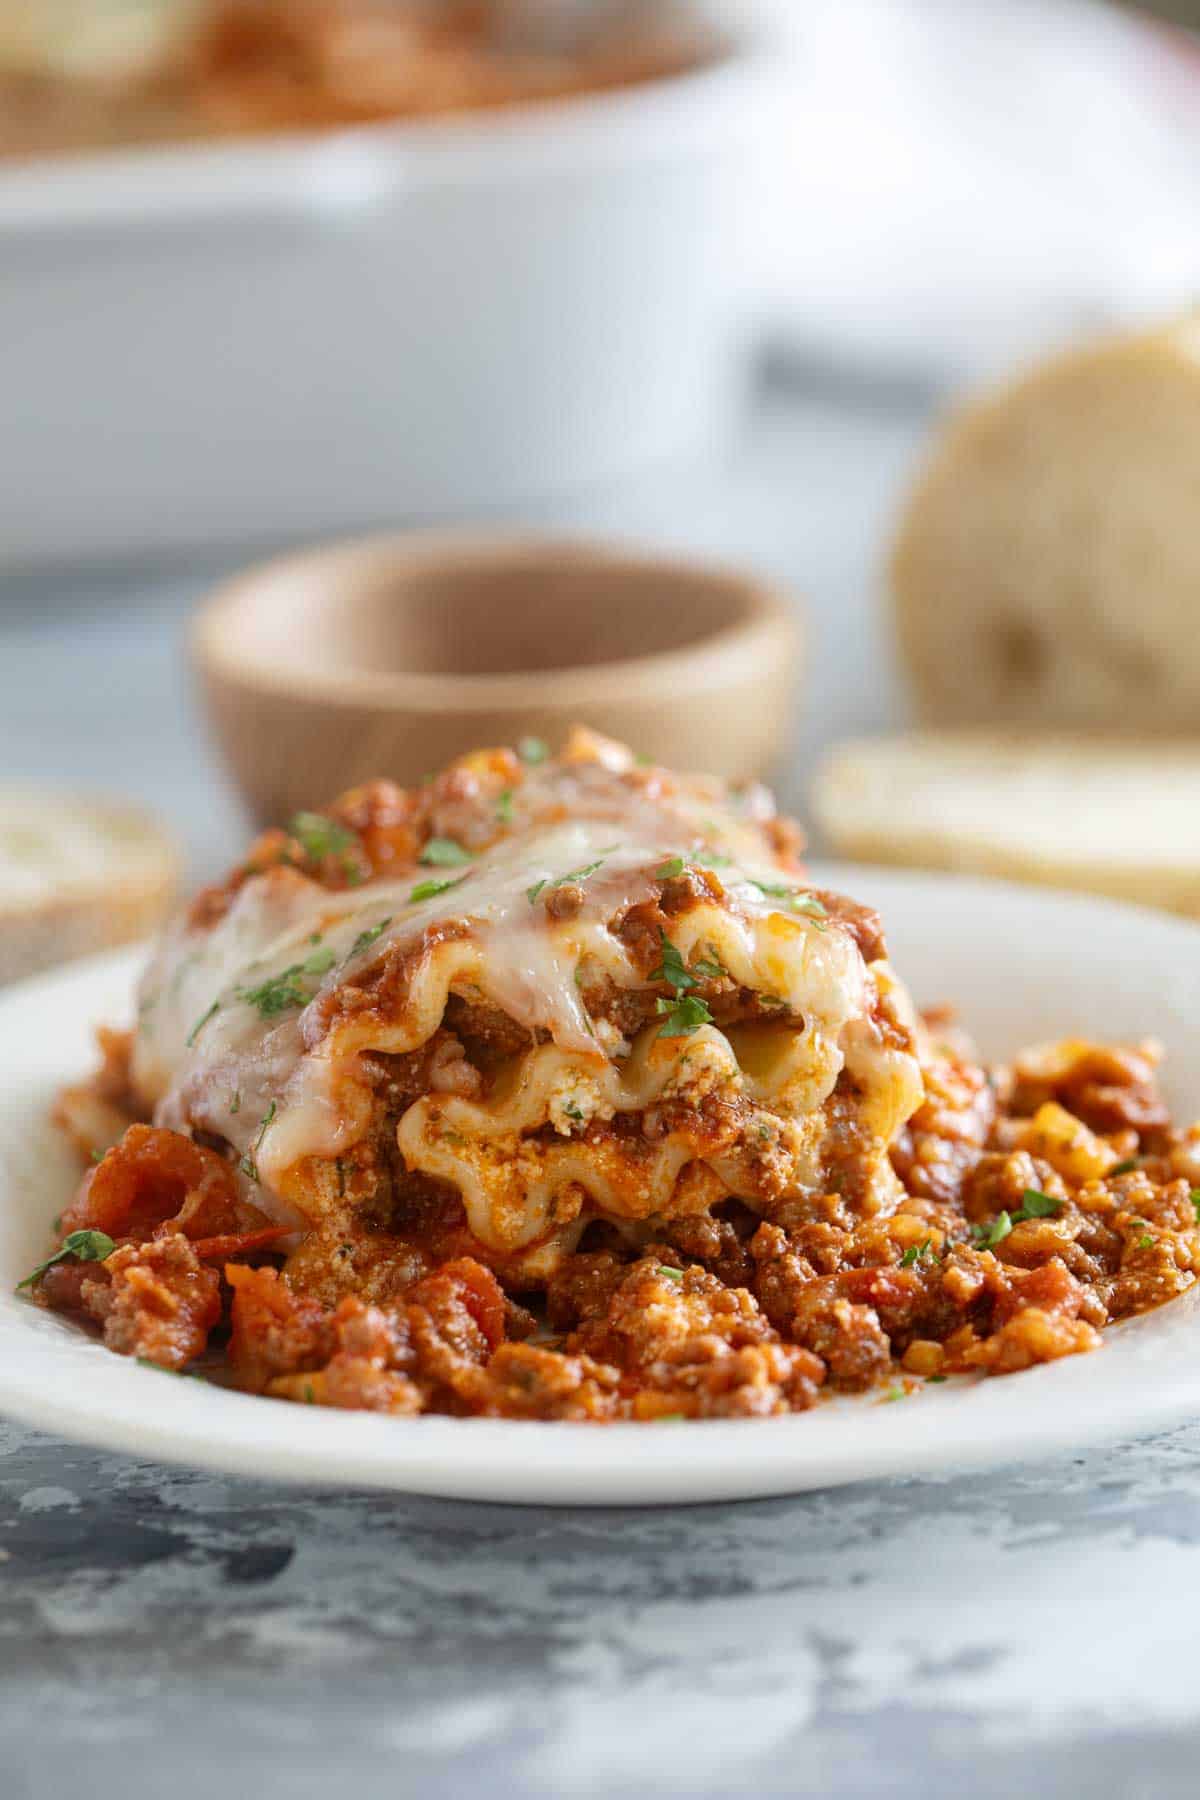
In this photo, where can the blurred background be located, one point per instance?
(699, 277)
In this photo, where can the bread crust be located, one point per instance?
(1047, 565)
(1098, 817)
(76, 914)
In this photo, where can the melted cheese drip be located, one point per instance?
(280, 1090)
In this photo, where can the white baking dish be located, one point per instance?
(261, 339)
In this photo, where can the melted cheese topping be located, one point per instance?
(224, 1045)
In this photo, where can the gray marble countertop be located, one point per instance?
(160, 1632)
(1021, 1632)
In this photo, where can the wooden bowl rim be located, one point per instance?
(762, 626)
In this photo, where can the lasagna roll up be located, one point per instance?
(531, 996)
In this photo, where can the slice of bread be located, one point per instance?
(1103, 817)
(76, 875)
(1047, 567)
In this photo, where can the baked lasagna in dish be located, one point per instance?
(552, 1089)
(115, 73)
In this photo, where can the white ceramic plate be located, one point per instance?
(1022, 965)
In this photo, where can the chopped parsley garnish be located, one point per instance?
(687, 1011)
(84, 1246)
(1194, 1197)
(310, 1396)
(444, 853)
(366, 938)
(280, 993)
(671, 969)
(572, 1111)
(320, 836)
(428, 890)
(1125, 1168)
(675, 1274)
(986, 1237)
(587, 869)
(895, 1393)
(711, 968)
(553, 881)
(681, 1016)
(235, 1105)
(798, 901)
(673, 866)
(670, 1418)
(97, 1155)
(532, 750)
(201, 1022)
(935, 1378)
(1036, 1205)
(504, 807)
(914, 1253)
(277, 994)
(1146, 1242)
(249, 1162)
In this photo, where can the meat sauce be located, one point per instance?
(237, 68)
(814, 1241)
(729, 1316)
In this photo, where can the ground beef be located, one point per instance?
(1110, 1087)
(523, 1381)
(1023, 1210)
(156, 1301)
(721, 1245)
(862, 922)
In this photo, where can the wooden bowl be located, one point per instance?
(391, 655)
